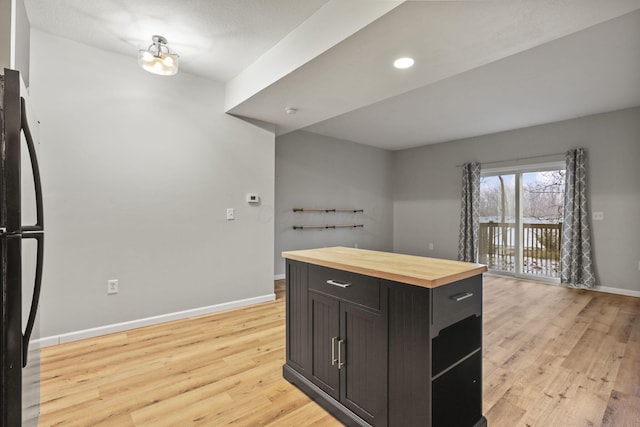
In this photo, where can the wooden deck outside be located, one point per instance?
(540, 248)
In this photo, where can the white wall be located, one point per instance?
(314, 171)
(138, 171)
(427, 187)
(22, 41)
(5, 34)
(14, 37)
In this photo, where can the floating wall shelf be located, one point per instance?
(327, 210)
(304, 227)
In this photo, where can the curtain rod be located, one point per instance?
(517, 160)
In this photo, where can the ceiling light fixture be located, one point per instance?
(403, 63)
(158, 59)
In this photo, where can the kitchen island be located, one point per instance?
(383, 339)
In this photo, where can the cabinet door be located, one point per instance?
(363, 387)
(324, 335)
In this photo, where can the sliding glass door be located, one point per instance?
(521, 220)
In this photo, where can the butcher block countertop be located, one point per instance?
(415, 270)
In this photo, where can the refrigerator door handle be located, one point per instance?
(33, 231)
(35, 300)
(39, 225)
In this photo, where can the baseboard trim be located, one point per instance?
(148, 321)
(279, 276)
(556, 282)
(616, 291)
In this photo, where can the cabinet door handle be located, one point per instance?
(340, 362)
(334, 360)
(461, 296)
(338, 283)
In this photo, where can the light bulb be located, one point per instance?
(403, 63)
(146, 56)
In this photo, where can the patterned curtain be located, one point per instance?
(469, 215)
(577, 265)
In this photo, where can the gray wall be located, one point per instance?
(23, 42)
(20, 45)
(427, 187)
(314, 171)
(5, 34)
(138, 171)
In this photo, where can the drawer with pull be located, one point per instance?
(454, 302)
(352, 287)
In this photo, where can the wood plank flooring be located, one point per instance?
(552, 357)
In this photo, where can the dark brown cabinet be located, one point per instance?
(325, 343)
(297, 318)
(363, 378)
(375, 352)
(457, 394)
(348, 341)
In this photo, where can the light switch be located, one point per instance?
(230, 214)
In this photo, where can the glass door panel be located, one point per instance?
(542, 206)
(497, 234)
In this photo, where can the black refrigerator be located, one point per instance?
(21, 251)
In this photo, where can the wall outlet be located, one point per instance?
(230, 214)
(598, 216)
(112, 286)
(430, 246)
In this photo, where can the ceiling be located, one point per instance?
(214, 38)
(481, 66)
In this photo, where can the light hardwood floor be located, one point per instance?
(552, 357)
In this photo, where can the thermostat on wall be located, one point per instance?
(253, 198)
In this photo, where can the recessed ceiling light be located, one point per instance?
(403, 62)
